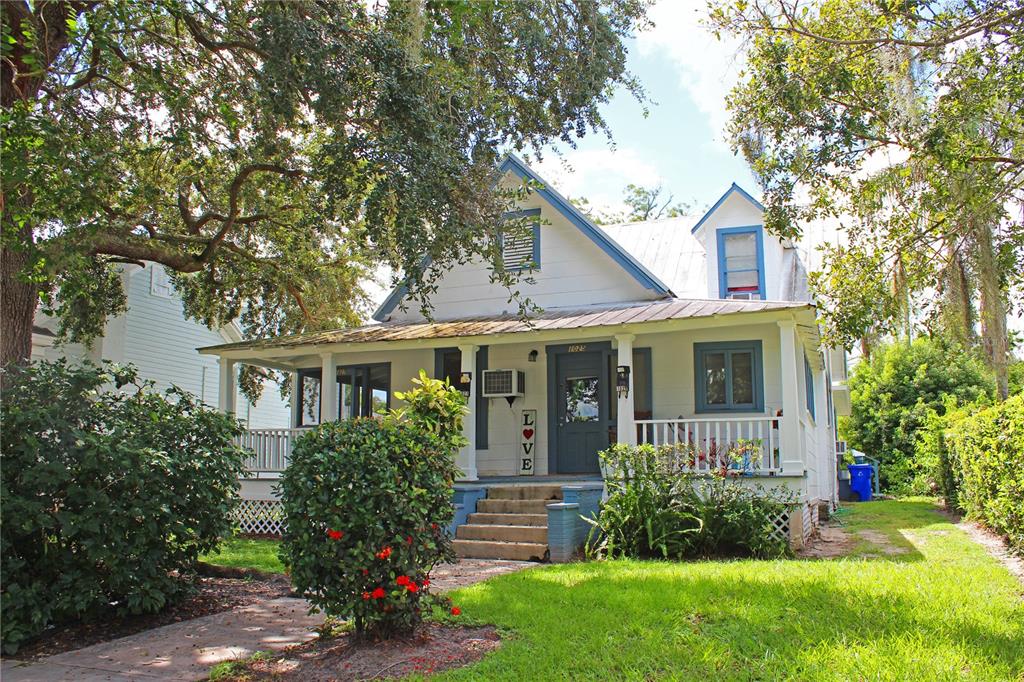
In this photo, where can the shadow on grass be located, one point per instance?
(882, 530)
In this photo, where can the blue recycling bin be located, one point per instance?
(860, 481)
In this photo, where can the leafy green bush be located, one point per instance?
(658, 508)
(988, 453)
(893, 395)
(106, 493)
(367, 503)
(648, 512)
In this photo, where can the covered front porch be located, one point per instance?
(731, 375)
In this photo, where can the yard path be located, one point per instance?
(187, 650)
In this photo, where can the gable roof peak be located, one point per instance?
(733, 189)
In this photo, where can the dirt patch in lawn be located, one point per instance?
(433, 648)
(830, 542)
(213, 595)
(882, 542)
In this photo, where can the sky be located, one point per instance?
(681, 144)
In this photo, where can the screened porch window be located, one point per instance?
(361, 391)
(729, 376)
(741, 263)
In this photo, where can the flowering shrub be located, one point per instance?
(107, 494)
(367, 503)
(658, 508)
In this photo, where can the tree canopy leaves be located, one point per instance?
(904, 121)
(272, 153)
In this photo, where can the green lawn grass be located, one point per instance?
(941, 609)
(247, 553)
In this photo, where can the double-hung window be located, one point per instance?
(741, 263)
(520, 247)
(729, 376)
(809, 383)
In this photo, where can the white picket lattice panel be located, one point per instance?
(260, 517)
(780, 526)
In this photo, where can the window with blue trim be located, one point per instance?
(729, 376)
(741, 263)
(520, 248)
(809, 382)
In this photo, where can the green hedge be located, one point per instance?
(108, 495)
(987, 449)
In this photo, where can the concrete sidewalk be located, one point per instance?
(187, 650)
(182, 651)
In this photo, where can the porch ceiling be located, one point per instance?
(548, 320)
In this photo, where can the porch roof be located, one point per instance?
(547, 320)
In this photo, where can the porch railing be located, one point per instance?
(271, 448)
(707, 440)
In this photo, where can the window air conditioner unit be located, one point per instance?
(503, 383)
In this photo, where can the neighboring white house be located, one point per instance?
(155, 336)
(669, 331)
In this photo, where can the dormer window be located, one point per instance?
(521, 250)
(741, 263)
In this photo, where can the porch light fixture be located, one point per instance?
(533, 356)
(465, 379)
(622, 380)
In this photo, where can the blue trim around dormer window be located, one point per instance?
(729, 350)
(724, 232)
(526, 213)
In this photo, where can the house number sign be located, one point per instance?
(578, 348)
(528, 427)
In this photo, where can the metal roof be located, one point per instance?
(551, 319)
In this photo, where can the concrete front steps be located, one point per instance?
(510, 523)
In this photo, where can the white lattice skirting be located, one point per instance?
(260, 517)
(780, 526)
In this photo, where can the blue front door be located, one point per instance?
(580, 411)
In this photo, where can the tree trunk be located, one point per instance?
(17, 305)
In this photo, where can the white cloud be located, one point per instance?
(707, 67)
(598, 175)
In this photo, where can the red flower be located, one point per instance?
(378, 593)
(335, 534)
(408, 539)
(413, 587)
(366, 595)
(434, 526)
(366, 571)
(456, 611)
(426, 581)
(402, 580)
(384, 553)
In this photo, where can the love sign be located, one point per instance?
(528, 425)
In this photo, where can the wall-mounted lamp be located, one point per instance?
(622, 380)
(465, 379)
(533, 356)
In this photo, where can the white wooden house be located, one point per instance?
(155, 336)
(671, 331)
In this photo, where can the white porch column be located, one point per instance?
(296, 399)
(790, 447)
(467, 455)
(328, 388)
(625, 427)
(227, 390)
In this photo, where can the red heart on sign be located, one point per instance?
(527, 434)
